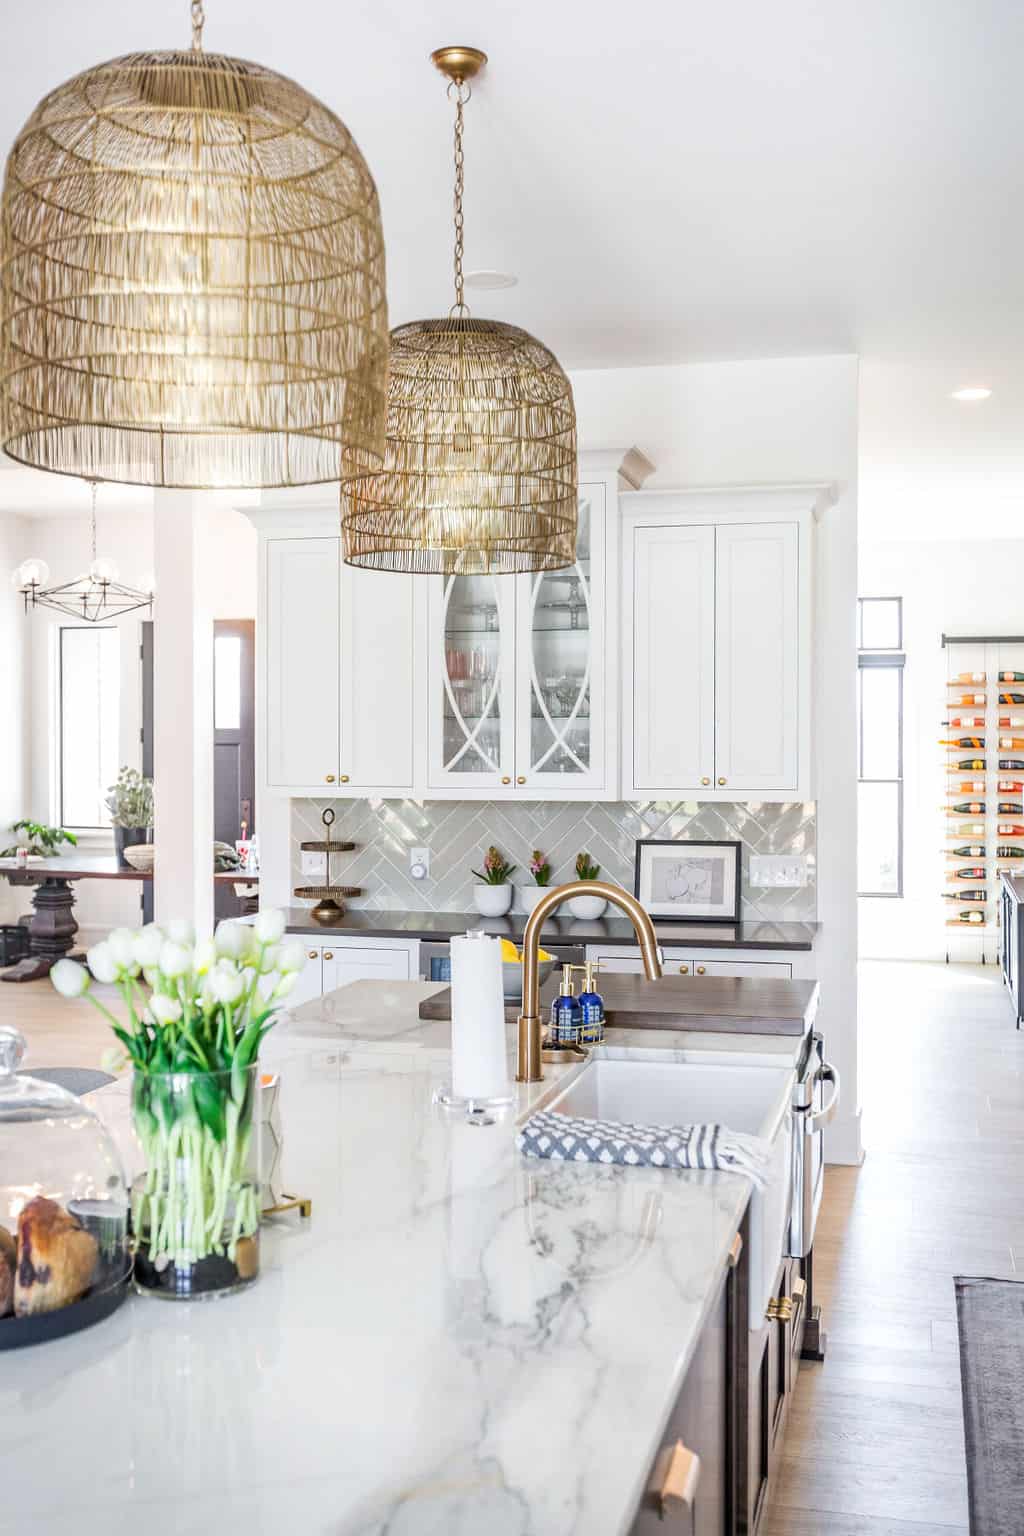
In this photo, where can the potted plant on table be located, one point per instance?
(196, 1017)
(493, 896)
(540, 869)
(587, 906)
(38, 840)
(130, 803)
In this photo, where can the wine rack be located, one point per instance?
(982, 739)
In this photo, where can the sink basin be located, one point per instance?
(753, 1099)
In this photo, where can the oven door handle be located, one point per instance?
(826, 1114)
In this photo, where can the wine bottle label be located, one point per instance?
(1009, 853)
(968, 677)
(966, 700)
(976, 895)
(1009, 829)
(1011, 677)
(1011, 786)
(1011, 764)
(1011, 722)
(968, 722)
(969, 808)
(968, 851)
(970, 872)
(1011, 743)
(1010, 808)
(1011, 698)
(968, 829)
(973, 765)
(965, 741)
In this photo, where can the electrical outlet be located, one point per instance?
(778, 870)
(314, 866)
(419, 863)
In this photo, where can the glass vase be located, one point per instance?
(196, 1209)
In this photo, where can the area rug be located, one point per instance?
(990, 1316)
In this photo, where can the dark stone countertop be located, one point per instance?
(439, 926)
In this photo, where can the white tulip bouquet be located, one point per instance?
(197, 1015)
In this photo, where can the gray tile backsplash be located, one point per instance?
(458, 831)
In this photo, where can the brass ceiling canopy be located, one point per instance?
(479, 469)
(193, 287)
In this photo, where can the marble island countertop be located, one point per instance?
(457, 1341)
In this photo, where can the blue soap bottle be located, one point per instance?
(566, 1014)
(591, 1008)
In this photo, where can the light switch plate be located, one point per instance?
(314, 866)
(778, 870)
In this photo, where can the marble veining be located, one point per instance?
(456, 1343)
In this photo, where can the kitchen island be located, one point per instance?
(458, 1340)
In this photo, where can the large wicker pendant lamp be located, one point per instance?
(479, 469)
(193, 279)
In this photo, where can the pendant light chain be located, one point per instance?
(462, 95)
(92, 487)
(198, 22)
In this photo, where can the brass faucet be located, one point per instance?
(529, 1020)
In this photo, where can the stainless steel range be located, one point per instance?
(815, 1101)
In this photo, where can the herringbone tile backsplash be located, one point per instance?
(457, 832)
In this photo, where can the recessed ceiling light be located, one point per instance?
(974, 392)
(487, 277)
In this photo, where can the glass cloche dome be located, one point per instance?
(63, 1197)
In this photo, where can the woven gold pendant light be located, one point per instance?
(193, 279)
(479, 469)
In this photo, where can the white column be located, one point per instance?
(182, 714)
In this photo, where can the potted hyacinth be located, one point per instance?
(493, 896)
(197, 1014)
(540, 869)
(587, 906)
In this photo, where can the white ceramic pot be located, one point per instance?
(493, 900)
(587, 907)
(529, 895)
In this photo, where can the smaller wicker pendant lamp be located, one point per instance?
(479, 469)
(192, 285)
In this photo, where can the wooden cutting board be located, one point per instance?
(746, 1005)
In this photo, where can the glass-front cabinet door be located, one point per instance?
(471, 725)
(560, 667)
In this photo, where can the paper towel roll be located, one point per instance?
(479, 1058)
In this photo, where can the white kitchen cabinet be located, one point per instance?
(717, 644)
(309, 982)
(521, 675)
(336, 961)
(337, 660)
(680, 960)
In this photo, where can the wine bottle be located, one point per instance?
(968, 787)
(967, 851)
(967, 808)
(969, 872)
(1011, 698)
(1010, 808)
(1011, 765)
(1011, 786)
(968, 829)
(970, 722)
(972, 765)
(1011, 677)
(1011, 743)
(1009, 853)
(974, 917)
(965, 741)
(1009, 829)
(967, 677)
(978, 894)
(967, 700)
(1011, 722)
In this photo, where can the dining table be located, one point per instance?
(52, 928)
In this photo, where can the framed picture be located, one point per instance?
(688, 882)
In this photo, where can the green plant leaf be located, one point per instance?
(209, 1101)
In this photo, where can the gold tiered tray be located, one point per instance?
(328, 897)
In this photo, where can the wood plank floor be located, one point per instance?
(875, 1440)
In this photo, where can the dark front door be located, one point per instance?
(234, 741)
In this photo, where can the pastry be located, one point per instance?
(56, 1258)
(8, 1251)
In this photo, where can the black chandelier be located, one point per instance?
(96, 596)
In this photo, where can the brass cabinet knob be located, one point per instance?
(521, 779)
(506, 779)
(328, 954)
(343, 779)
(701, 969)
(705, 781)
(328, 778)
(721, 781)
(310, 954)
(779, 1309)
(684, 970)
(675, 1479)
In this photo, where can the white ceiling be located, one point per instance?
(671, 182)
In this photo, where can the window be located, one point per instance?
(89, 702)
(880, 661)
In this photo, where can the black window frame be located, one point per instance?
(874, 659)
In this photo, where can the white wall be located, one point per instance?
(779, 421)
(975, 587)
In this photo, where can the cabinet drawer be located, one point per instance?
(781, 970)
(684, 962)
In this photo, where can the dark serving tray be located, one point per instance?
(42, 1327)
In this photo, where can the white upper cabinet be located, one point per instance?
(301, 663)
(471, 682)
(716, 645)
(337, 660)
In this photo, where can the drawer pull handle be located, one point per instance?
(684, 970)
(701, 970)
(799, 1289)
(328, 954)
(676, 1475)
(779, 1309)
(736, 1251)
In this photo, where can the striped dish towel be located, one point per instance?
(653, 1146)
